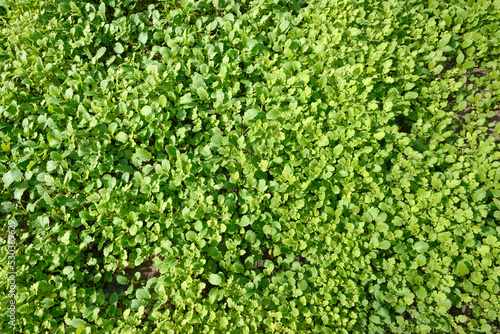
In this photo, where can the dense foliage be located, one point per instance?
(257, 166)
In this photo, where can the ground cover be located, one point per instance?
(250, 166)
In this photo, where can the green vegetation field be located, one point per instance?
(264, 166)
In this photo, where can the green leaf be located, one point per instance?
(303, 285)
(386, 244)
(199, 82)
(238, 268)
(185, 99)
(146, 110)
(462, 269)
(121, 279)
(121, 137)
(191, 236)
(323, 141)
(143, 37)
(251, 44)
(68, 270)
(468, 64)
(137, 303)
(89, 311)
(421, 246)
(438, 69)
(142, 293)
(100, 53)
(338, 150)
(421, 260)
(214, 279)
(202, 93)
(250, 114)
(267, 229)
(112, 127)
(273, 114)
(479, 195)
(284, 25)
(68, 94)
(47, 302)
(119, 48)
(54, 138)
(113, 299)
(409, 85)
(244, 221)
(420, 292)
(102, 10)
(54, 91)
(143, 155)
(382, 227)
(217, 139)
(411, 95)
(198, 226)
(11, 177)
(19, 190)
(133, 230)
(76, 323)
(162, 101)
(250, 236)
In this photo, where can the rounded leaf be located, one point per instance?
(121, 137)
(462, 269)
(421, 247)
(121, 279)
(143, 155)
(119, 48)
(214, 279)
